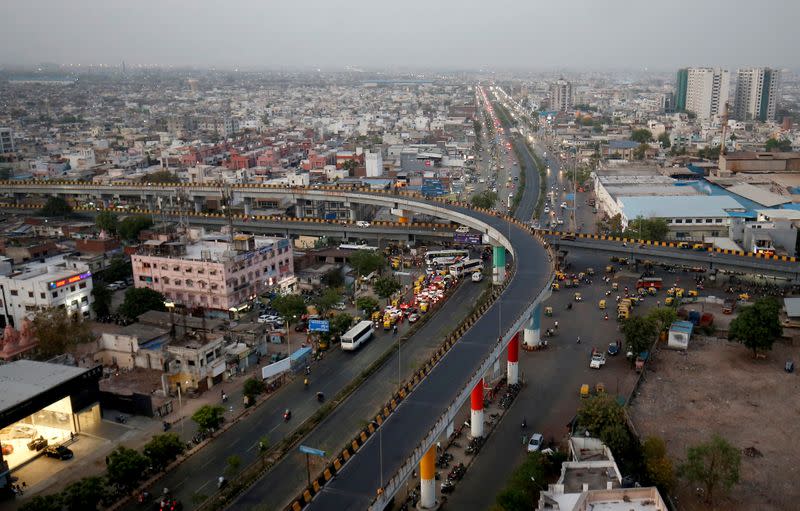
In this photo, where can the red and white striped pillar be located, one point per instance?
(476, 406)
(513, 360)
(427, 476)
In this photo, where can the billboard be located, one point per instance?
(319, 325)
(467, 238)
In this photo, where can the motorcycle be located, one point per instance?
(320, 397)
(121, 419)
(448, 486)
(287, 415)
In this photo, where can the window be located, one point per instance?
(30, 294)
(82, 285)
(717, 220)
(177, 282)
(688, 220)
(42, 296)
(698, 220)
(165, 280)
(678, 220)
(708, 220)
(71, 289)
(55, 294)
(188, 269)
(189, 283)
(85, 299)
(14, 292)
(191, 363)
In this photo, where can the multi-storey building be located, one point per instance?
(756, 94)
(561, 96)
(680, 90)
(6, 141)
(213, 273)
(707, 91)
(55, 282)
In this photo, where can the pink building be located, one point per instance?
(214, 273)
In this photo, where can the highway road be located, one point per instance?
(355, 486)
(287, 479)
(198, 474)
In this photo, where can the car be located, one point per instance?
(535, 443)
(547, 209)
(613, 349)
(113, 286)
(269, 318)
(339, 306)
(462, 229)
(120, 284)
(59, 452)
(362, 223)
(598, 361)
(413, 318)
(477, 276)
(37, 444)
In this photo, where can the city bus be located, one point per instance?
(357, 336)
(648, 282)
(346, 246)
(445, 257)
(466, 267)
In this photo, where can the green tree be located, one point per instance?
(101, 300)
(640, 152)
(758, 325)
(56, 207)
(126, 467)
(58, 332)
(349, 165)
(663, 317)
(232, 465)
(119, 268)
(51, 502)
(208, 417)
(639, 332)
(525, 483)
(340, 323)
(289, 306)
(604, 417)
(107, 221)
(640, 228)
(162, 176)
(714, 464)
(139, 300)
(663, 139)
(365, 262)
(485, 199)
(642, 135)
(163, 449)
(386, 286)
(657, 465)
(333, 279)
(130, 227)
(367, 304)
(709, 153)
(253, 387)
(778, 145)
(84, 494)
(327, 299)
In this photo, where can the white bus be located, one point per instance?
(445, 257)
(346, 246)
(357, 336)
(466, 267)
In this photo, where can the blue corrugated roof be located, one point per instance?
(682, 326)
(623, 144)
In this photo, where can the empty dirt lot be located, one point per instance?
(717, 387)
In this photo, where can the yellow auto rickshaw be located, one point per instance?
(555, 286)
(671, 291)
(548, 311)
(602, 304)
(693, 293)
(615, 286)
(679, 292)
(652, 291)
(744, 297)
(669, 300)
(600, 388)
(683, 245)
(578, 297)
(609, 269)
(585, 390)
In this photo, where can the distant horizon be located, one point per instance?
(415, 34)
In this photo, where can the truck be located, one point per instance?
(728, 306)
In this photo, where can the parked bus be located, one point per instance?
(345, 246)
(357, 336)
(466, 267)
(445, 257)
(649, 282)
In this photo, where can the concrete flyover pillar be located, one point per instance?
(513, 360)
(248, 206)
(401, 214)
(427, 479)
(532, 335)
(476, 410)
(199, 202)
(499, 265)
(353, 213)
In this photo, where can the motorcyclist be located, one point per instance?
(524, 423)
(579, 339)
(287, 414)
(555, 324)
(320, 397)
(305, 382)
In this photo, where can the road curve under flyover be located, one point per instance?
(402, 437)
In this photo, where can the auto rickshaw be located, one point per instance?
(585, 390)
(623, 313)
(679, 292)
(669, 300)
(652, 291)
(602, 304)
(744, 297)
(642, 291)
(609, 269)
(683, 245)
(555, 286)
(548, 311)
(600, 388)
(589, 271)
(693, 293)
(615, 286)
(576, 282)
(578, 297)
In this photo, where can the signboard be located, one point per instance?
(467, 238)
(70, 280)
(310, 450)
(276, 368)
(319, 325)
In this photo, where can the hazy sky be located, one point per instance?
(447, 34)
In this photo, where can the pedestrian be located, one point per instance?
(556, 324)
(524, 439)
(106, 460)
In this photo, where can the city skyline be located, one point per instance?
(446, 35)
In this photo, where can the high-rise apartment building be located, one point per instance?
(680, 90)
(756, 94)
(707, 91)
(6, 141)
(561, 96)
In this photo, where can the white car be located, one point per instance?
(477, 276)
(113, 286)
(462, 229)
(547, 209)
(598, 361)
(269, 318)
(362, 223)
(535, 443)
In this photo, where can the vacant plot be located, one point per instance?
(717, 387)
